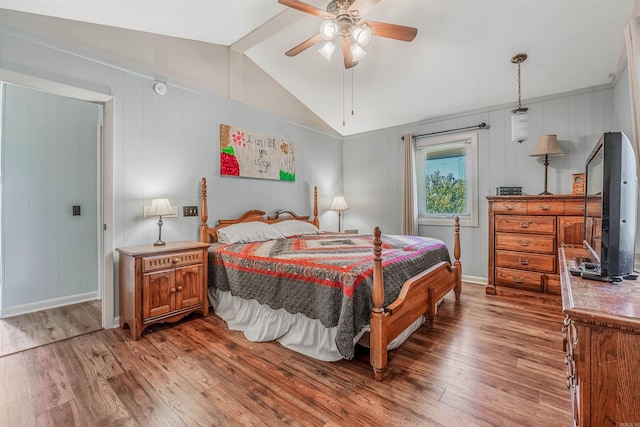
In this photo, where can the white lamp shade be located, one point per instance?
(339, 204)
(327, 50)
(361, 34)
(328, 29)
(160, 207)
(357, 52)
(519, 125)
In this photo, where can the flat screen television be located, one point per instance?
(611, 200)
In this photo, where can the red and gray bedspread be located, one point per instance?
(324, 277)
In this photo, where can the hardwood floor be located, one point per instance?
(44, 327)
(487, 361)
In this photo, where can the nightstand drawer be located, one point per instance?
(545, 244)
(528, 280)
(526, 224)
(526, 261)
(160, 262)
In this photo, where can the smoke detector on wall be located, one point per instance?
(160, 88)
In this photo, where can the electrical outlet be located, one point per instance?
(189, 211)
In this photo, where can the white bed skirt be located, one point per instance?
(296, 332)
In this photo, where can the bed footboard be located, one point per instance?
(417, 297)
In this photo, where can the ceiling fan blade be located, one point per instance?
(306, 8)
(393, 31)
(348, 57)
(362, 6)
(304, 45)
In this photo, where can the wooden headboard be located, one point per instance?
(208, 235)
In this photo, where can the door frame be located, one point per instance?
(105, 177)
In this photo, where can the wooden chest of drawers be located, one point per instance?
(524, 235)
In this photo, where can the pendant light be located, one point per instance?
(519, 116)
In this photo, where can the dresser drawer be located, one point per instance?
(159, 262)
(510, 208)
(527, 280)
(545, 244)
(574, 207)
(543, 207)
(526, 224)
(526, 261)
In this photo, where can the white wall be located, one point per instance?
(373, 163)
(49, 162)
(164, 145)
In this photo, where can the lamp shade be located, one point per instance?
(548, 146)
(339, 204)
(160, 207)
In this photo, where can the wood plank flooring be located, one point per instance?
(44, 327)
(487, 361)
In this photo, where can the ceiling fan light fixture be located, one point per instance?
(361, 34)
(328, 29)
(327, 50)
(357, 52)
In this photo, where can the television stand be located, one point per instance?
(601, 337)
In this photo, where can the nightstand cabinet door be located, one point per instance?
(158, 294)
(189, 285)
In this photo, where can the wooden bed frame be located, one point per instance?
(418, 296)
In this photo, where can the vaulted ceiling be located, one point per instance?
(459, 61)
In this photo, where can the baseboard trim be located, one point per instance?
(32, 307)
(475, 279)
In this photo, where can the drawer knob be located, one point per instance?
(509, 207)
(179, 288)
(581, 207)
(524, 261)
(518, 279)
(523, 242)
(545, 208)
(175, 260)
(525, 224)
(173, 290)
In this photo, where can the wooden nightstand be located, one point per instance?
(162, 283)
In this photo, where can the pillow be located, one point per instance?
(294, 227)
(246, 232)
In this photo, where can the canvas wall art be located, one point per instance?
(248, 154)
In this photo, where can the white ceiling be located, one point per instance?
(459, 61)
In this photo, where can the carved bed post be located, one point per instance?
(315, 207)
(456, 255)
(204, 215)
(378, 335)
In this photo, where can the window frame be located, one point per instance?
(471, 157)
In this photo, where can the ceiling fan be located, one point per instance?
(342, 23)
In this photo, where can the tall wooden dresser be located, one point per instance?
(602, 345)
(524, 235)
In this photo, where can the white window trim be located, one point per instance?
(465, 221)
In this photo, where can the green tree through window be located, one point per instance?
(445, 194)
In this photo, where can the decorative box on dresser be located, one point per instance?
(524, 235)
(162, 283)
(602, 343)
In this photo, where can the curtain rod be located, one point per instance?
(482, 125)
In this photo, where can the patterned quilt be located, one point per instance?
(324, 277)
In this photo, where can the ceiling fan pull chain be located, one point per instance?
(343, 98)
(352, 91)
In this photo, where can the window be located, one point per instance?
(447, 179)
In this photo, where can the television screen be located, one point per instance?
(611, 203)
